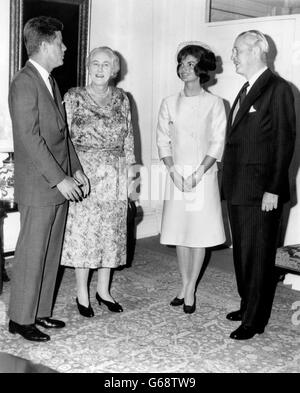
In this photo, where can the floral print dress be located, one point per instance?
(96, 233)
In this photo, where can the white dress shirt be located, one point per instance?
(254, 78)
(44, 74)
(251, 81)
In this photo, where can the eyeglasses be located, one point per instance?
(97, 64)
(236, 52)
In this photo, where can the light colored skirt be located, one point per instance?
(193, 219)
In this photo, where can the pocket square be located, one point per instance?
(252, 109)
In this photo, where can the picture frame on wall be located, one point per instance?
(75, 16)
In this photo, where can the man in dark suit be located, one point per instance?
(47, 175)
(258, 151)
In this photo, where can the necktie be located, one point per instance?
(52, 83)
(241, 96)
(55, 97)
(243, 93)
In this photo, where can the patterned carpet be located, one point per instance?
(150, 336)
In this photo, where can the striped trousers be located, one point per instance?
(254, 240)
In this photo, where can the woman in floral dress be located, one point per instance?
(100, 126)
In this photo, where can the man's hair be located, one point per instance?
(38, 30)
(255, 38)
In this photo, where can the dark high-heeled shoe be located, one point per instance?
(112, 306)
(87, 312)
(177, 302)
(189, 309)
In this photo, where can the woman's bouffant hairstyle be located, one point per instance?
(112, 54)
(206, 61)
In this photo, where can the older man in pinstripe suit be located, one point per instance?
(258, 151)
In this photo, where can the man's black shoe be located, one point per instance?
(49, 323)
(235, 315)
(245, 332)
(29, 332)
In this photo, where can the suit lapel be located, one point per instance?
(232, 111)
(250, 98)
(59, 101)
(60, 111)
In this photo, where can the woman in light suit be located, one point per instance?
(190, 139)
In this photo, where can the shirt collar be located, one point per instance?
(44, 73)
(254, 78)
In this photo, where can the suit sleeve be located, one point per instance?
(74, 160)
(284, 132)
(25, 120)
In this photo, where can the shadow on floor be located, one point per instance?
(14, 364)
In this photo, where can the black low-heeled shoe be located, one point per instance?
(87, 312)
(177, 302)
(189, 309)
(112, 306)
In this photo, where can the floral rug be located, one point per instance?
(150, 336)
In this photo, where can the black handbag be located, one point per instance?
(131, 228)
(131, 211)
